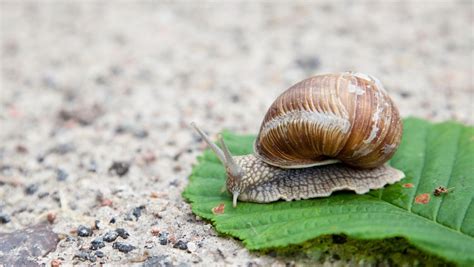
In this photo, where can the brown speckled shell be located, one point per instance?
(345, 116)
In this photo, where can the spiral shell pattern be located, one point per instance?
(347, 117)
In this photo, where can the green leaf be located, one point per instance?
(431, 155)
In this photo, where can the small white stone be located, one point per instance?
(192, 246)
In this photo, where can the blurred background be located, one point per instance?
(96, 97)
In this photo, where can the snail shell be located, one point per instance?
(345, 117)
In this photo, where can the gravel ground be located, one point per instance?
(96, 99)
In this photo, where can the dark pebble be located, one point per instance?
(405, 94)
(101, 80)
(157, 261)
(128, 217)
(84, 115)
(92, 166)
(181, 245)
(21, 149)
(4, 218)
(40, 158)
(110, 236)
(163, 238)
(175, 182)
(116, 70)
(92, 257)
(137, 212)
(140, 133)
(99, 254)
(97, 243)
(112, 220)
(82, 255)
(43, 195)
(136, 132)
(235, 98)
(31, 189)
(122, 233)
(96, 224)
(23, 247)
(308, 63)
(121, 129)
(84, 231)
(62, 149)
(61, 175)
(119, 167)
(123, 247)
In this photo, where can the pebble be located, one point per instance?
(82, 255)
(4, 218)
(92, 166)
(70, 239)
(119, 167)
(109, 203)
(84, 231)
(181, 245)
(84, 115)
(51, 217)
(136, 132)
(128, 217)
(92, 257)
(110, 236)
(23, 247)
(405, 94)
(137, 212)
(21, 149)
(155, 231)
(99, 254)
(62, 149)
(122, 233)
(43, 195)
(61, 175)
(308, 63)
(235, 98)
(56, 263)
(192, 247)
(123, 247)
(31, 189)
(97, 243)
(157, 261)
(97, 224)
(163, 238)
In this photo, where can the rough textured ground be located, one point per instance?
(87, 85)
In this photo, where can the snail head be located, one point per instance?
(233, 170)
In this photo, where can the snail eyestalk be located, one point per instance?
(230, 165)
(223, 154)
(213, 146)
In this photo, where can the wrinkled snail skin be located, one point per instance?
(266, 183)
(326, 133)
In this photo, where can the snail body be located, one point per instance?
(326, 133)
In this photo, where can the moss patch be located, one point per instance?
(334, 248)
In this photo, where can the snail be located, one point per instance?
(326, 133)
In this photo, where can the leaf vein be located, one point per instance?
(453, 164)
(421, 172)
